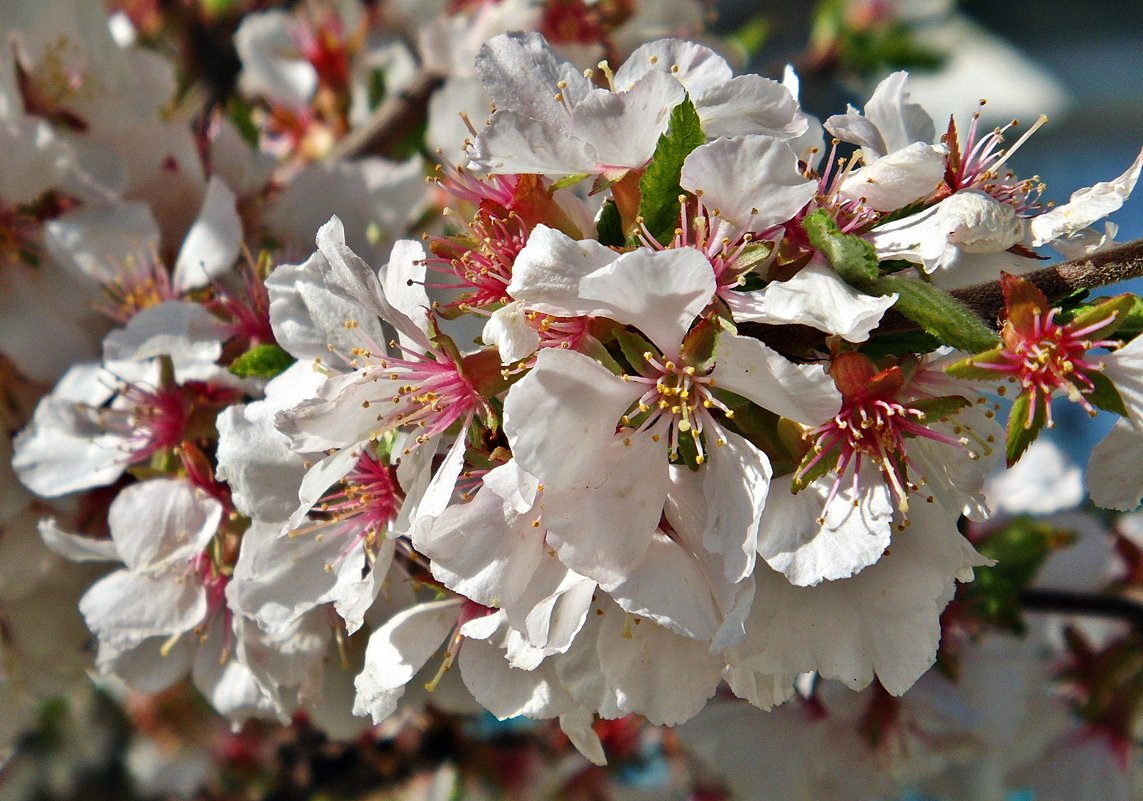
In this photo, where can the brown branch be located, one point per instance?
(1117, 263)
(1066, 602)
(392, 120)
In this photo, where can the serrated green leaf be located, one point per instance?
(261, 361)
(939, 313)
(634, 347)
(851, 257)
(1020, 433)
(609, 229)
(1105, 396)
(659, 187)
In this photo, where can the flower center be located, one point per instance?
(682, 400)
(360, 509)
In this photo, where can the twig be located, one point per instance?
(1078, 603)
(392, 120)
(1117, 263)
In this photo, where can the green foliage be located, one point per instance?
(899, 344)
(1019, 548)
(851, 257)
(378, 89)
(939, 314)
(659, 187)
(261, 361)
(1021, 434)
(609, 229)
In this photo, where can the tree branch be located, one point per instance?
(1077, 603)
(392, 120)
(1117, 263)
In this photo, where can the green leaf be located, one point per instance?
(1105, 396)
(377, 89)
(1132, 324)
(969, 367)
(938, 409)
(700, 347)
(939, 313)
(1113, 312)
(569, 180)
(242, 115)
(634, 347)
(1020, 434)
(899, 344)
(609, 229)
(659, 187)
(851, 257)
(1019, 549)
(261, 361)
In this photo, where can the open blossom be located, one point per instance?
(660, 410)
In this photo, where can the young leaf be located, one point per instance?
(940, 314)
(1024, 424)
(659, 188)
(1105, 396)
(852, 257)
(633, 347)
(261, 361)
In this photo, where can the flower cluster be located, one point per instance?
(677, 396)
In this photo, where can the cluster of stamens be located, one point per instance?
(977, 165)
(1048, 357)
(873, 429)
(682, 396)
(429, 390)
(360, 509)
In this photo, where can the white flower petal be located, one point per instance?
(508, 331)
(698, 68)
(1113, 478)
(801, 392)
(347, 275)
(162, 523)
(395, 653)
(750, 181)
(562, 414)
(897, 179)
(668, 586)
(855, 533)
(521, 73)
(212, 243)
(816, 297)
(751, 104)
(1085, 206)
(625, 127)
(123, 609)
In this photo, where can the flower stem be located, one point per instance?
(1081, 603)
(394, 118)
